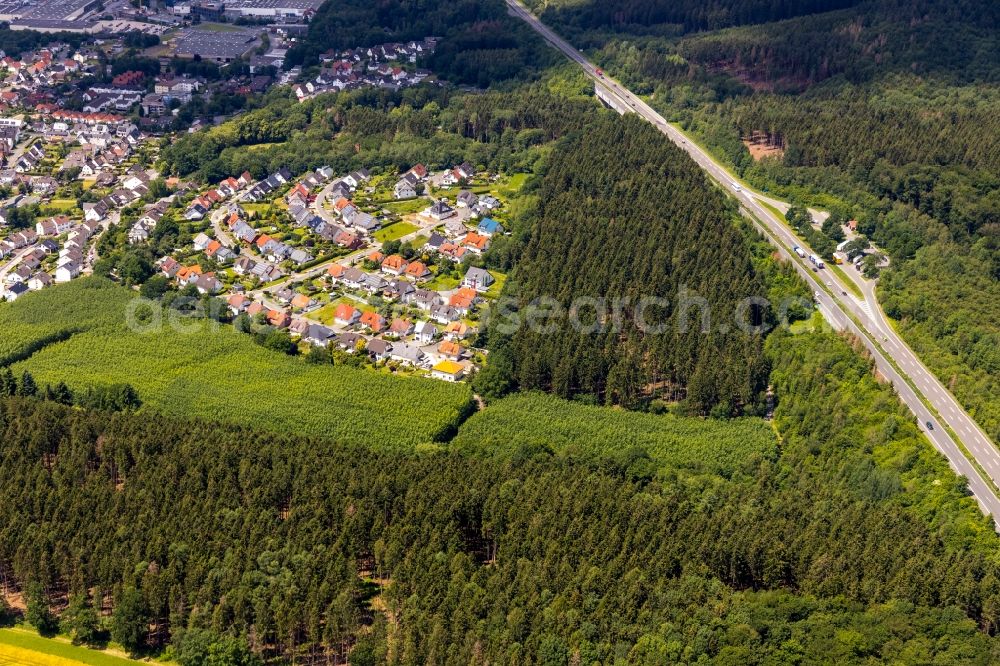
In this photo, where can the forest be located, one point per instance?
(624, 217)
(854, 543)
(92, 333)
(891, 123)
(671, 16)
(479, 44)
(499, 131)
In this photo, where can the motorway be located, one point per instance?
(913, 381)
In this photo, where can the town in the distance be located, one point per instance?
(384, 266)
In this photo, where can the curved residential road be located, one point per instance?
(916, 385)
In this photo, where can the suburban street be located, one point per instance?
(863, 318)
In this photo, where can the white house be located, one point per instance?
(67, 272)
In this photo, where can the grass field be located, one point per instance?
(443, 283)
(395, 231)
(536, 419)
(21, 647)
(404, 207)
(194, 368)
(61, 204)
(497, 287)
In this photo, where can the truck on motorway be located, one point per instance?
(599, 71)
(799, 251)
(817, 262)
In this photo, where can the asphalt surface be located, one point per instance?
(893, 357)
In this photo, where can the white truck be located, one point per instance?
(799, 251)
(817, 262)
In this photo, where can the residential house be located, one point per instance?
(278, 318)
(201, 241)
(169, 266)
(394, 264)
(39, 281)
(318, 335)
(54, 226)
(14, 291)
(440, 210)
(463, 300)
(67, 272)
(434, 242)
(476, 243)
(207, 284)
(403, 189)
(238, 303)
(451, 350)
(488, 227)
(449, 371)
(336, 271)
(372, 321)
(456, 330)
(95, 212)
(399, 290)
(401, 327)
(425, 332)
(349, 341)
(478, 279)
(379, 349)
(408, 354)
(466, 199)
(444, 314)
(417, 270)
(346, 315)
(303, 302)
(243, 265)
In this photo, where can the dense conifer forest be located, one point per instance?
(625, 216)
(883, 111)
(856, 543)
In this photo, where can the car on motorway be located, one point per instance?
(816, 293)
(930, 426)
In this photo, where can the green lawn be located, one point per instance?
(513, 185)
(61, 204)
(25, 647)
(443, 283)
(496, 287)
(404, 207)
(259, 208)
(395, 231)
